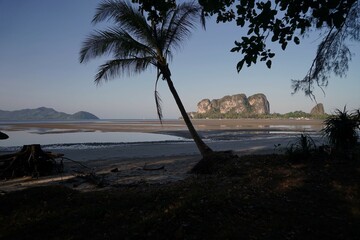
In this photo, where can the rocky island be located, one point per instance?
(238, 104)
(318, 109)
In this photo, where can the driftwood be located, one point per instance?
(91, 178)
(147, 168)
(31, 160)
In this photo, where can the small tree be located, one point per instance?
(341, 128)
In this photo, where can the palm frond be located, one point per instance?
(118, 67)
(115, 41)
(97, 44)
(133, 37)
(158, 100)
(108, 10)
(127, 18)
(182, 21)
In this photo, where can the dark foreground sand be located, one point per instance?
(137, 163)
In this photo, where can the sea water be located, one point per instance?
(19, 138)
(81, 139)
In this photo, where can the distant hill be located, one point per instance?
(44, 113)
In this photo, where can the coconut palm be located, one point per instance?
(137, 44)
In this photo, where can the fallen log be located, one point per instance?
(31, 160)
(147, 168)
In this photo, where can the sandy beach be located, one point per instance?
(155, 162)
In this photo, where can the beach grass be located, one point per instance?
(254, 197)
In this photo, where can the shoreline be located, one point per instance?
(115, 172)
(153, 126)
(125, 165)
(176, 158)
(134, 131)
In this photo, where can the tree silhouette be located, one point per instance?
(137, 43)
(341, 129)
(284, 22)
(3, 136)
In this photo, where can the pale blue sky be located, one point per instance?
(39, 50)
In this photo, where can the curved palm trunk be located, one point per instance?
(204, 149)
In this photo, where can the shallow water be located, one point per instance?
(19, 138)
(85, 135)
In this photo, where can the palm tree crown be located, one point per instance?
(134, 43)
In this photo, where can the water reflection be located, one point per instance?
(19, 138)
(293, 127)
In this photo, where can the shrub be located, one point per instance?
(302, 148)
(341, 129)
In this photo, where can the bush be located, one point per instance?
(341, 130)
(302, 148)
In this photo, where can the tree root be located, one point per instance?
(31, 160)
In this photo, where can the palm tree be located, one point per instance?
(137, 44)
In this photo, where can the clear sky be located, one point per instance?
(39, 66)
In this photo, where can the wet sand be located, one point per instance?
(154, 126)
(116, 171)
(131, 160)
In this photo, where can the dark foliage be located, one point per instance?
(304, 148)
(341, 128)
(156, 10)
(285, 22)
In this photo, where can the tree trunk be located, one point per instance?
(204, 149)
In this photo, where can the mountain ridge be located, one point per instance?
(44, 113)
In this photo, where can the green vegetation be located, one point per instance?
(303, 147)
(341, 128)
(254, 197)
(234, 115)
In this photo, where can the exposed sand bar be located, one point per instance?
(153, 126)
(175, 159)
(223, 130)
